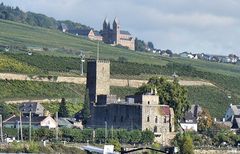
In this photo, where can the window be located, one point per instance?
(156, 119)
(121, 118)
(114, 119)
(165, 119)
(148, 102)
(155, 129)
(148, 119)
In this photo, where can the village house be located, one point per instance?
(87, 33)
(190, 120)
(36, 122)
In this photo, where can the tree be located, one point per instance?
(135, 136)
(147, 137)
(187, 145)
(150, 45)
(86, 107)
(140, 45)
(63, 112)
(205, 120)
(170, 93)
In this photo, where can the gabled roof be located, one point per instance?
(124, 32)
(27, 107)
(64, 26)
(15, 119)
(235, 109)
(83, 32)
(96, 33)
(188, 118)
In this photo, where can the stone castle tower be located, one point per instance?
(98, 78)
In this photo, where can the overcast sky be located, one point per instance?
(210, 26)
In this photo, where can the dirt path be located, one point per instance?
(82, 80)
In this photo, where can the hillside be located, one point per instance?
(57, 53)
(35, 19)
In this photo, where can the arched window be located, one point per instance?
(156, 119)
(148, 119)
(148, 102)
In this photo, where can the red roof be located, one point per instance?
(165, 110)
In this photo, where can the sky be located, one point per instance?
(209, 26)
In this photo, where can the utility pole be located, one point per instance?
(82, 57)
(112, 131)
(21, 126)
(30, 126)
(1, 127)
(106, 132)
(57, 126)
(18, 129)
(98, 51)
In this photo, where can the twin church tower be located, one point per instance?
(117, 36)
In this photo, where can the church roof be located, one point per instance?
(124, 32)
(116, 20)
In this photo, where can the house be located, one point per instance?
(36, 122)
(232, 111)
(184, 54)
(189, 122)
(88, 33)
(35, 108)
(69, 123)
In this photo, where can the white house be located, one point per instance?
(189, 122)
(36, 122)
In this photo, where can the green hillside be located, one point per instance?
(59, 55)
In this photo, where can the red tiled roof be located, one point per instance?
(165, 110)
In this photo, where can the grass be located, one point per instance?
(8, 64)
(10, 90)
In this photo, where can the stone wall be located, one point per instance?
(82, 80)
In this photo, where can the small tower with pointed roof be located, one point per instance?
(116, 31)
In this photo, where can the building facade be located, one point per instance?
(134, 112)
(117, 36)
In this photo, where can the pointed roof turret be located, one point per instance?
(106, 20)
(116, 20)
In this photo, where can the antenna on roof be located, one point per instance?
(98, 51)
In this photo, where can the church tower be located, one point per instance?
(116, 31)
(105, 32)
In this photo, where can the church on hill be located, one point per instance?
(116, 36)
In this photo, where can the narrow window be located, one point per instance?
(148, 119)
(148, 102)
(121, 118)
(156, 119)
(155, 129)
